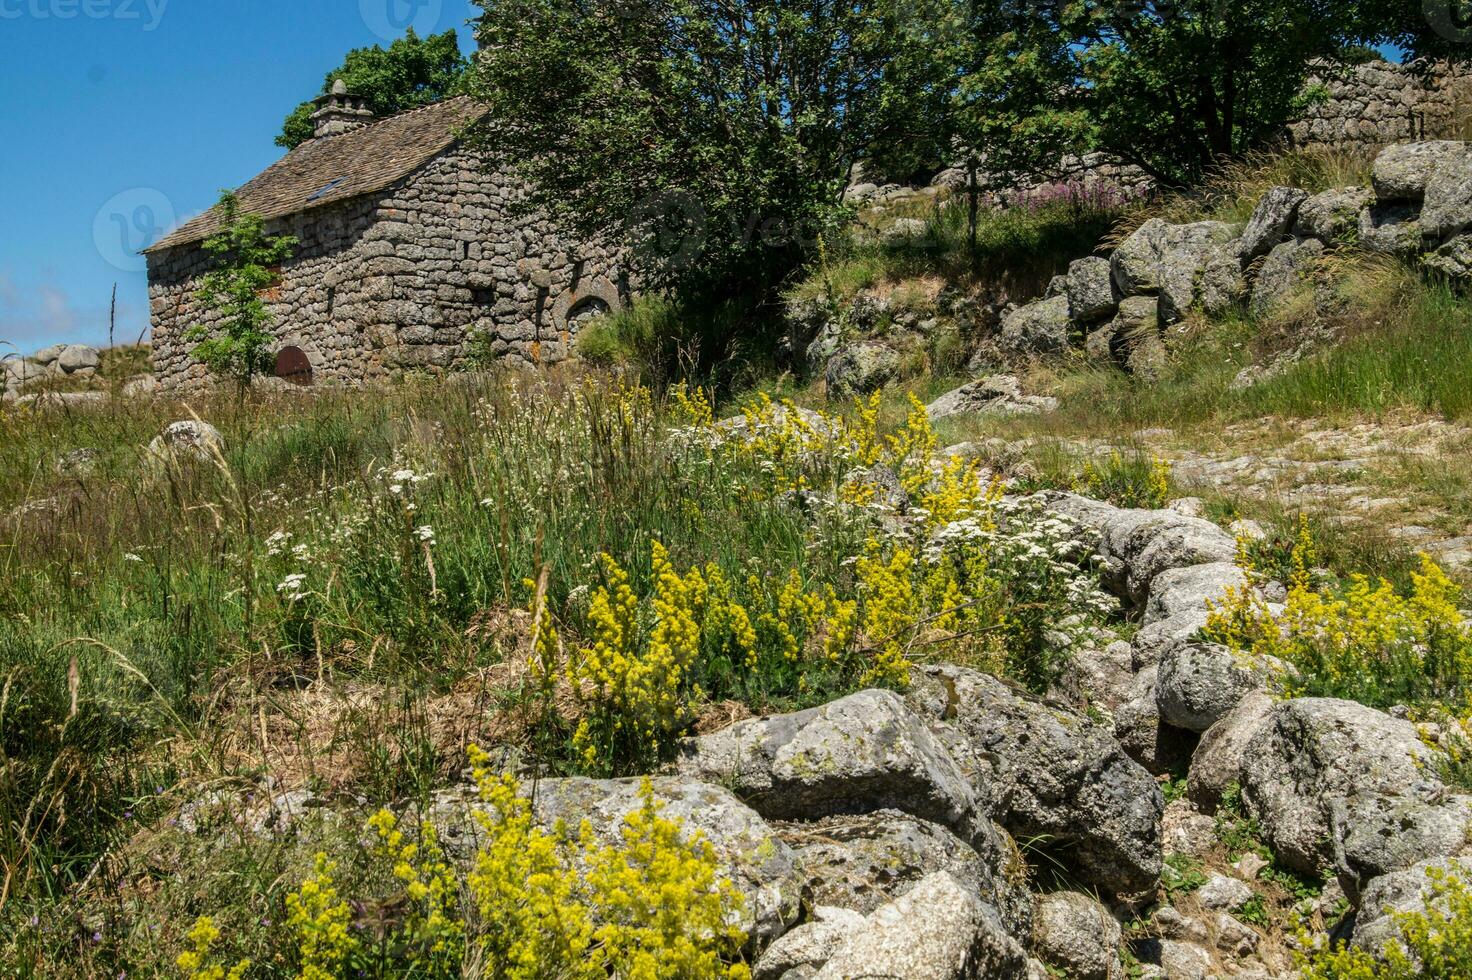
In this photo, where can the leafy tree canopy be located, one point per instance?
(715, 136)
(410, 73)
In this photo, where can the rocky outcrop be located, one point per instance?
(1052, 775)
(1076, 935)
(860, 369)
(1198, 684)
(1314, 756)
(1038, 328)
(938, 931)
(1271, 221)
(187, 440)
(997, 395)
(861, 753)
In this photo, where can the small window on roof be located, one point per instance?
(332, 185)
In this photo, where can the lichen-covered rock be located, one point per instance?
(1090, 289)
(1200, 683)
(808, 945)
(865, 752)
(1165, 259)
(1403, 892)
(1222, 282)
(1222, 892)
(1452, 259)
(1333, 216)
(1402, 171)
(1447, 208)
(1178, 590)
(999, 394)
(1217, 762)
(1271, 221)
(1184, 961)
(79, 359)
(1037, 329)
(1055, 776)
(1136, 323)
(1378, 835)
(1391, 229)
(190, 439)
(938, 931)
(1139, 545)
(1145, 738)
(1283, 273)
(1315, 753)
(861, 862)
(860, 368)
(1075, 934)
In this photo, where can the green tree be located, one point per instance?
(716, 137)
(245, 262)
(411, 72)
(1173, 86)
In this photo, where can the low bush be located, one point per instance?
(1356, 639)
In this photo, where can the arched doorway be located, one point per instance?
(587, 309)
(293, 365)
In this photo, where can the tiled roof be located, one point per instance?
(333, 169)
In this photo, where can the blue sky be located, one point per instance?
(119, 118)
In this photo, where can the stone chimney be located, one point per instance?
(338, 112)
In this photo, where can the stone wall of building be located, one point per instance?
(1378, 103)
(407, 279)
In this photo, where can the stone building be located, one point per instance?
(411, 251)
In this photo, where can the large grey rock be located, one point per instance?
(1222, 282)
(19, 371)
(1055, 776)
(1402, 171)
(861, 368)
(1139, 545)
(190, 439)
(1333, 216)
(1220, 755)
(747, 850)
(1200, 683)
(1283, 273)
(1378, 835)
(1453, 258)
(938, 931)
(1037, 329)
(868, 751)
(1090, 288)
(1447, 208)
(1391, 229)
(1145, 738)
(1166, 259)
(1271, 221)
(861, 862)
(1075, 934)
(1316, 753)
(1132, 337)
(47, 356)
(1178, 590)
(1184, 961)
(997, 395)
(1222, 892)
(1405, 891)
(79, 358)
(809, 945)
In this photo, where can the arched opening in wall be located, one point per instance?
(587, 309)
(292, 364)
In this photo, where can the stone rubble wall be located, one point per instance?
(1378, 103)
(405, 280)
